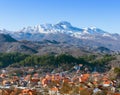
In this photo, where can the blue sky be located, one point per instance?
(104, 14)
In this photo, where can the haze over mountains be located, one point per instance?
(62, 37)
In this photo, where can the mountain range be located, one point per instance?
(62, 34)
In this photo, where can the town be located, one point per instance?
(72, 82)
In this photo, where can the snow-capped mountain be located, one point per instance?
(65, 32)
(61, 27)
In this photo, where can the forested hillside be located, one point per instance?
(101, 62)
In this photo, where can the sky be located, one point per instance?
(104, 14)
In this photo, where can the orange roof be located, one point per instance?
(117, 94)
(66, 80)
(81, 88)
(35, 79)
(84, 77)
(54, 89)
(95, 83)
(25, 91)
(44, 81)
(107, 82)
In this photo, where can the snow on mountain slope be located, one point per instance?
(65, 32)
(63, 27)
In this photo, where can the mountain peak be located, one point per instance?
(93, 27)
(94, 30)
(65, 23)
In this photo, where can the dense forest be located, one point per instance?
(56, 61)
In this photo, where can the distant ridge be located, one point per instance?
(64, 32)
(6, 38)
